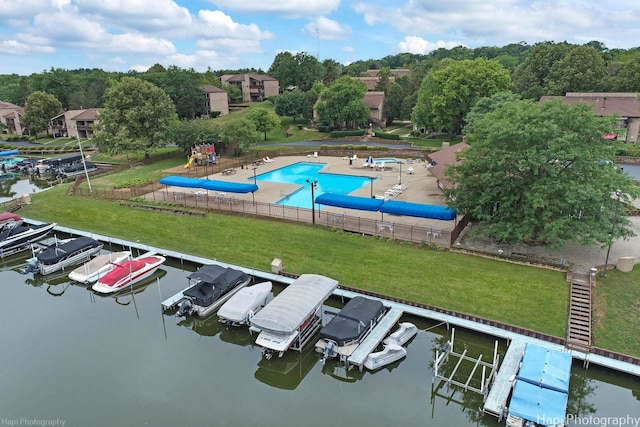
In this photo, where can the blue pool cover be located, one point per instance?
(418, 210)
(207, 184)
(349, 202)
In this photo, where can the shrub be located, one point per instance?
(343, 133)
(385, 135)
(130, 183)
(215, 114)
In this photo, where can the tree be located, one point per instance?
(384, 80)
(486, 105)
(331, 71)
(627, 77)
(187, 133)
(234, 93)
(239, 135)
(40, 108)
(393, 102)
(137, 117)
(582, 69)
(346, 91)
(296, 71)
(263, 119)
(449, 91)
(290, 103)
(184, 89)
(530, 78)
(541, 172)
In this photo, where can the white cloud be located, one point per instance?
(414, 44)
(327, 29)
(289, 8)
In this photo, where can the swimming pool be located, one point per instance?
(387, 160)
(299, 173)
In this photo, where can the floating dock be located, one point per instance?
(499, 393)
(375, 337)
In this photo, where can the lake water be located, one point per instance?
(89, 360)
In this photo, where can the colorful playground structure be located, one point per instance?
(201, 155)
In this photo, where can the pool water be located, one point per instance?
(299, 173)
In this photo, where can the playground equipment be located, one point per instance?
(201, 155)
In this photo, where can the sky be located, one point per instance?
(119, 35)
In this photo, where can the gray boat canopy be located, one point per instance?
(291, 307)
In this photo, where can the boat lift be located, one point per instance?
(486, 377)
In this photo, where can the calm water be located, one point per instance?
(70, 355)
(299, 173)
(17, 186)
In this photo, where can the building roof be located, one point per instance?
(242, 77)
(9, 106)
(371, 82)
(445, 158)
(625, 104)
(88, 114)
(212, 89)
(373, 100)
(398, 72)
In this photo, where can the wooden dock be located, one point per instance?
(579, 327)
(499, 393)
(375, 337)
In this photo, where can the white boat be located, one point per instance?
(93, 270)
(402, 335)
(62, 254)
(242, 306)
(19, 236)
(291, 319)
(391, 353)
(128, 273)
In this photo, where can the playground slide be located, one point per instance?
(188, 165)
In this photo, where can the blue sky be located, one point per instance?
(119, 35)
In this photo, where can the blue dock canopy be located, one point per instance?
(418, 210)
(349, 202)
(9, 153)
(541, 405)
(206, 184)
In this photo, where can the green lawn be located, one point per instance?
(526, 296)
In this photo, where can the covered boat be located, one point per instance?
(209, 288)
(242, 306)
(9, 220)
(18, 237)
(541, 389)
(344, 332)
(293, 317)
(63, 254)
(128, 273)
(99, 266)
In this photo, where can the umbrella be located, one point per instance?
(370, 160)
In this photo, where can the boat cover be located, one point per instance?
(213, 281)
(538, 404)
(419, 210)
(542, 385)
(208, 184)
(56, 253)
(9, 216)
(353, 321)
(546, 368)
(349, 202)
(295, 304)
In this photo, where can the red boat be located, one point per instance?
(128, 273)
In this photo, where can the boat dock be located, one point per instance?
(499, 393)
(375, 337)
(173, 301)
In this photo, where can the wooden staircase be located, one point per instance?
(579, 328)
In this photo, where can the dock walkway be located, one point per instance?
(375, 337)
(499, 392)
(579, 328)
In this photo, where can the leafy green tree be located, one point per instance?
(384, 79)
(393, 102)
(263, 119)
(185, 90)
(346, 91)
(284, 69)
(238, 135)
(448, 92)
(296, 71)
(201, 131)
(582, 69)
(234, 93)
(541, 172)
(486, 105)
(530, 78)
(40, 108)
(60, 83)
(626, 77)
(331, 71)
(137, 117)
(290, 103)
(309, 101)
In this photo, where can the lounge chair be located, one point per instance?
(267, 160)
(411, 170)
(315, 154)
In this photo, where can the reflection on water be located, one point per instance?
(16, 186)
(69, 351)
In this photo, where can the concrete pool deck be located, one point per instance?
(421, 186)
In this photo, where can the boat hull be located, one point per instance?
(114, 281)
(391, 353)
(98, 267)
